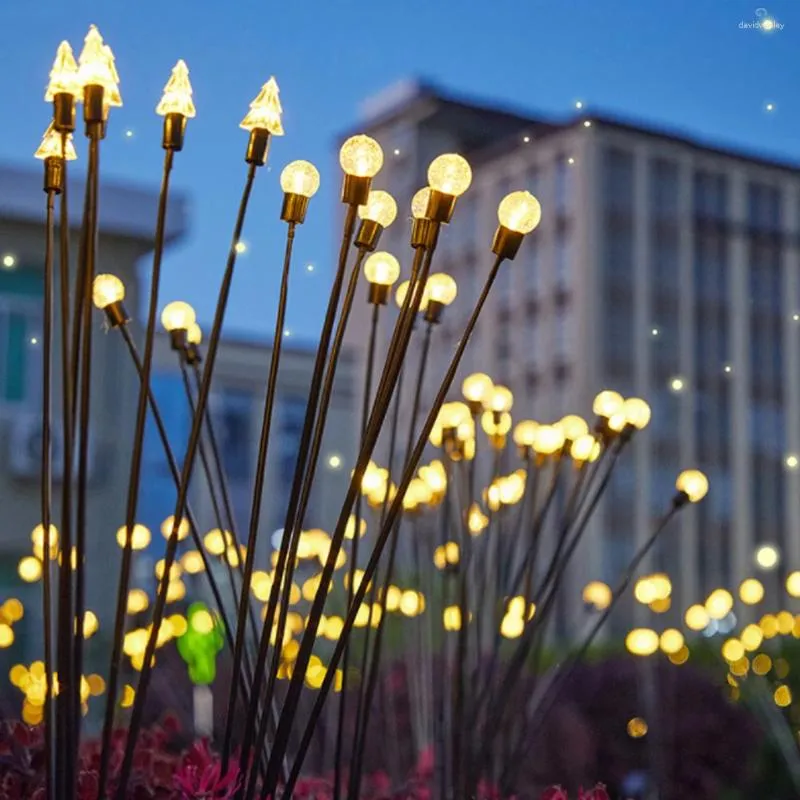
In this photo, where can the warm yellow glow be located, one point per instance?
(361, 156)
(637, 412)
(176, 591)
(785, 622)
(732, 650)
(300, 177)
(519, 212)
(177, 97)
(434, 475)
(661, 585)
(693, 484)
(128, 696)
(573, 426)
(512, 626)
(501, 399)
(495, 424)
(350, 530)
(607, 403)
(719, 603)
(660, 605)
(476, 519)
(37, 538)
(751, 637)
(140, 536)
(409, 603)
(548, 440)
(194, 335)
(96, 67)
(793, 584)
(183, 528)
(637, 728)
(525, 433)
(202, 621)
(450, 174)
(265, 111)
(645, 591)
(740, 667)
(451, 617)
(29, 569)
(178, 316)
(751, 591)
(382, 268)
(175, 570)
(192, 562)
(477, 387)
(107, 289)
(402, 291)
(138, 601)
(90, 624)
(52, 146)
(783, 696)
(441, 288)
(642, 641)
(419, 203)
(6, 636)
(380, 207)
(617, 422)
(597, 594)
(12, 610)
(64, 74)
(762, 664)
(585, 448)
(217, 541)
(671, 641)
(769, 626)
(681, 657)
(767, 556)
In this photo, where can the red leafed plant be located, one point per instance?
(557, 793)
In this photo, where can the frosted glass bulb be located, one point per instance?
(573, 426)
(107, 289)
(477, 387)
(195, 334)
(450, 174)
(548, 439)
(382, 268)
(361, 156)
(693, 484)
(607, 403)
(140, 537)
(419, 203)
(637, 412)
(501, 399)
(525, 433)
(300, 177)
(585, 448)
(380, 207)
(520, 212)
(402, 291)
(178, 316)
(441, 288)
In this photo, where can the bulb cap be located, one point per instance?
(116, 314)
(174, 131)
(294, 208)
(441, 206)
(506, 242)
(355, 190)
(177, 339)
(54, 174)
(192, 354)
(497, 441)
(475, 407)
(422, 233)
(257, 147)
(369, 233)
(680, 500)
(95, 112)
(433, 313)
(378, 294)
(64, 112)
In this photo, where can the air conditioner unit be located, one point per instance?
(25, 449)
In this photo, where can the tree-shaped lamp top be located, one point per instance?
(52, 143)
(96, 67)
(177, 98)
(64, 74)
(265, 111)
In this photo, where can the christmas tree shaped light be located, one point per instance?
(96, 67)
(177, 98)
(51, 146)
(64, 74)
(265, 111)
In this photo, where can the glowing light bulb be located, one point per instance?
(501, 399)
(637, 412)
(450, 174)
(793, 584)
(265, 111)
(751, 591)
(584, 448)
(138, 601)
(693, 484)
(607, 403)
(51, 146)
(107, 289)
(380, 207)
(96, 67)
(525, 433)
(719, 603)
(178, 316)
(548, 439)
(37, 537)
(671, 641)
(382, 268)
(402, 291)
(441, 288)
(361, 156)
(642, 642)
(696, 618)
(177, 97)
(64, 74)
(192, 562)
(29, 569)
(195, 334)
(520, 212)
(767, 556)
(140, 536)
(573, 426)
(419, 203)
(168, 523)
(495, 424)
(300, 177)
(597, 594)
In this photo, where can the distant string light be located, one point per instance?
(587, 123)
(9, 261)
(578, 104)
(727, 369)
(791, 461)
(309, 267)
(129, 134)
(526, 139)
(570, 161)
(677, 385)
(397, 151)
(770, 106)
(654, 331)
(241, 247)
(287, 332)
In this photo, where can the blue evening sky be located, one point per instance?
(682, 64)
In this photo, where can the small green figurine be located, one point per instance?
(201, 643)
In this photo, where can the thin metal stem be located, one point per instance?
(180, 504)
(258, 491)
(134, 480)
(290, 706)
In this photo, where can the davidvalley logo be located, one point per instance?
(764, 22)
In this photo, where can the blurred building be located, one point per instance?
(664, 267)
(126, 236)
(236, 405)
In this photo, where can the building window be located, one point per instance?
(710, 195)
(292, 417)
(563, 259)
(564, 185)
(664, 179)
(233, 416)
(20, 340)
(763, 207)
(618, 180)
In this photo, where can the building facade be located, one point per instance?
(664, 268)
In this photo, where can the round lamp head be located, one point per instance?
(194, 335)
(525, 433)
(693, 484)
(402, 291)
(380, 207)
(637, 413)
(107, 289)
(419, 203)
(450, 174)
(477, 388)
(441, 288)
(501, 399)
(361, 156)
(607, 403)
(548, 439)
(574, 427)
(178, 316)
(382, 268)
(300, 177)
(519, 212)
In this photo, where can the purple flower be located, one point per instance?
(199, 777)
